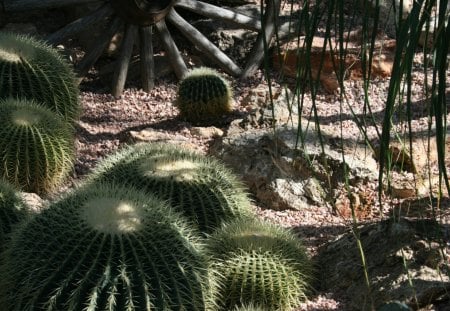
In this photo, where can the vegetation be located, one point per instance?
(12, 210)
(199, 187)
(121, 242)
(259, 263)
(105, 247)
(203, 96)
(32, 69)
(36, 146)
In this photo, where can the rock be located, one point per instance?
(206, 132)
(293, 59)
(410, 170)
(282, 176)
(404, 186)
(159, 136)
(33, 201)
(388, 245)
(265, 112)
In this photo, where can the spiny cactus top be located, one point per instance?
(259, 263)
(31, 69)
(105, 248)
(12, 210)
(36, 146)
(203, 96)
(200, 187)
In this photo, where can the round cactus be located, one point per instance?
(31, 69)
(105, 248)
(12, 210)
(200, 187)
(203, 96)
(250, 307)
(36, 146)
(259, 263)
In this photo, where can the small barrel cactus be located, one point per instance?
(31, 69)
(107, 247)
(259, 263)
(200, 187)
(12, 210)
(36, 146)
(203, 96)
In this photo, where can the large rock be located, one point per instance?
(405, 260)
(282, 169)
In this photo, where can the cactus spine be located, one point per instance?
(201, 188)
(203, 96)
(259, 263)
(105, 248)
(12, 210)
(36, 146)
(31, 69)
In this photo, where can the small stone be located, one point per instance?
(206, 132)
(33, 201)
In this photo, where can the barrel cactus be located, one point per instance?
(259, 263)
(250, 308)
(107, 247)
(31, 69)
(200, 187)
(203, 96)
(36, 146)
(12, 210)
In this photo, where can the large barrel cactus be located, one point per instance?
(259, 263)
(12, 210)
(36, 146)
(200, 187)
(105, 248)
(250, 308)
(203, 96)
(31, 69)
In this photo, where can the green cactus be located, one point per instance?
(12, 210)
(259, 263)
(31, 69)
(203, 96)
(200, 187)
(106, 247)
(36, 146)
(250, 307)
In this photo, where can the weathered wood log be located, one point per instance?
(215, 12)
(100, 45)
(264, 38)
(203, 44)
(80, 24)
(120, 74)
(25, 5)
(147, 61)
(171, 49)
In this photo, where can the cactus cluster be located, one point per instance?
(200, 187)
(203, 96)
(36, 146)
(259, 263)
(31, 69)
(12, 210)
(106, 247)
